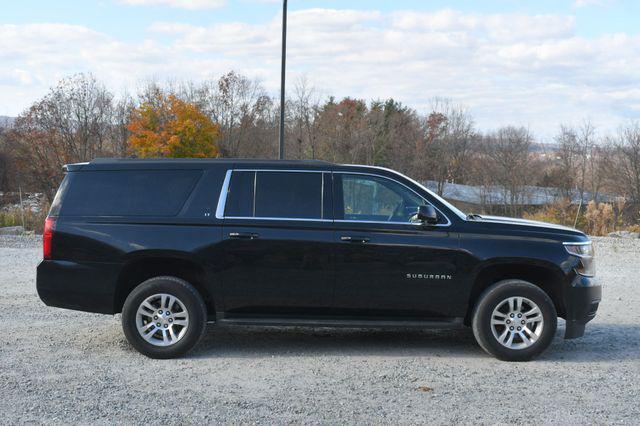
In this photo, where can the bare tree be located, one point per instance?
(579, 169)
(303, 109)
(510, 162)
(449, 137)
(80, 111)
(586, 144)
(6, 163)
(72, 123)
(242, 108)
(569, 153)
(624, 166)
(120, 133)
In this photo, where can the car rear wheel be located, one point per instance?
(514, 320)
(164, 317)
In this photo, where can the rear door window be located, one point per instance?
(289, 195)
(276, 195)
(129, 192)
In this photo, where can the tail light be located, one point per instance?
(47, 236)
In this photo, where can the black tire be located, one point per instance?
(494, 296)
(188, 296)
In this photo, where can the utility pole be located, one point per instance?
(283, 77)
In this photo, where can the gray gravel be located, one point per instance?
(62, 367)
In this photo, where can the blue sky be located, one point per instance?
(114, 17)
(534, 63)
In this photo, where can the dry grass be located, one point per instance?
(597, 219)
(32, 221)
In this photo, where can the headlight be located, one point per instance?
(584, 251)
(580, 249)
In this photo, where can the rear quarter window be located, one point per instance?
(57, 200)
(128, 192)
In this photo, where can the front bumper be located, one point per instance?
(581, 300)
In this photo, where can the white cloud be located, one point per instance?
(510, 27)
(182, 4)
(171, 28)
(507, 68)
(585, 3)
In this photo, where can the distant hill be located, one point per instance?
(6, 121)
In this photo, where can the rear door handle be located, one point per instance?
(244, 235)
(350, 239)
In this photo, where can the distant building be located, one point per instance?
(530, 196)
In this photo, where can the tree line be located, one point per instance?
(234, 116)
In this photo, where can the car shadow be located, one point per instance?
(311, 342)
(601, 342)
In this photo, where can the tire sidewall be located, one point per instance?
(192, 301)
(490, 300)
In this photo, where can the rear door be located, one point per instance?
(277, 243)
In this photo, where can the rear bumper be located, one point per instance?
(581, 300)
(86, 287)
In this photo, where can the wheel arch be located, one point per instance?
(140, 269)
(545, 276)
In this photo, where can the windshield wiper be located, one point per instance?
(474, 216)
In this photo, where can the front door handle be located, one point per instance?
(244, 235)
(350, 239)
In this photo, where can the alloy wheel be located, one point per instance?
(162, 319)
(517, 323)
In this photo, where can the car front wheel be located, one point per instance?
(514, 320)
(164, 317)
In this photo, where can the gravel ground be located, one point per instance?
(59, 366)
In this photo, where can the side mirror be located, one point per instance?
(426, 214)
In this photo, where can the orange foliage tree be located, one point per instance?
(170, 127)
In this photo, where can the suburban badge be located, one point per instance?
(429, 277)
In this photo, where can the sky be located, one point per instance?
(532, 63)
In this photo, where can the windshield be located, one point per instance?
(450, 206)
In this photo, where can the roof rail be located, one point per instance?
(78, 166)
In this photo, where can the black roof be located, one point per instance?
(212, 163)
(171, 163)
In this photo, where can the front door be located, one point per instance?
(277, 244)
(385, 264)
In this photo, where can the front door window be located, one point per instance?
(377, 199)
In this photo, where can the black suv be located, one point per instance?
(174, 244)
